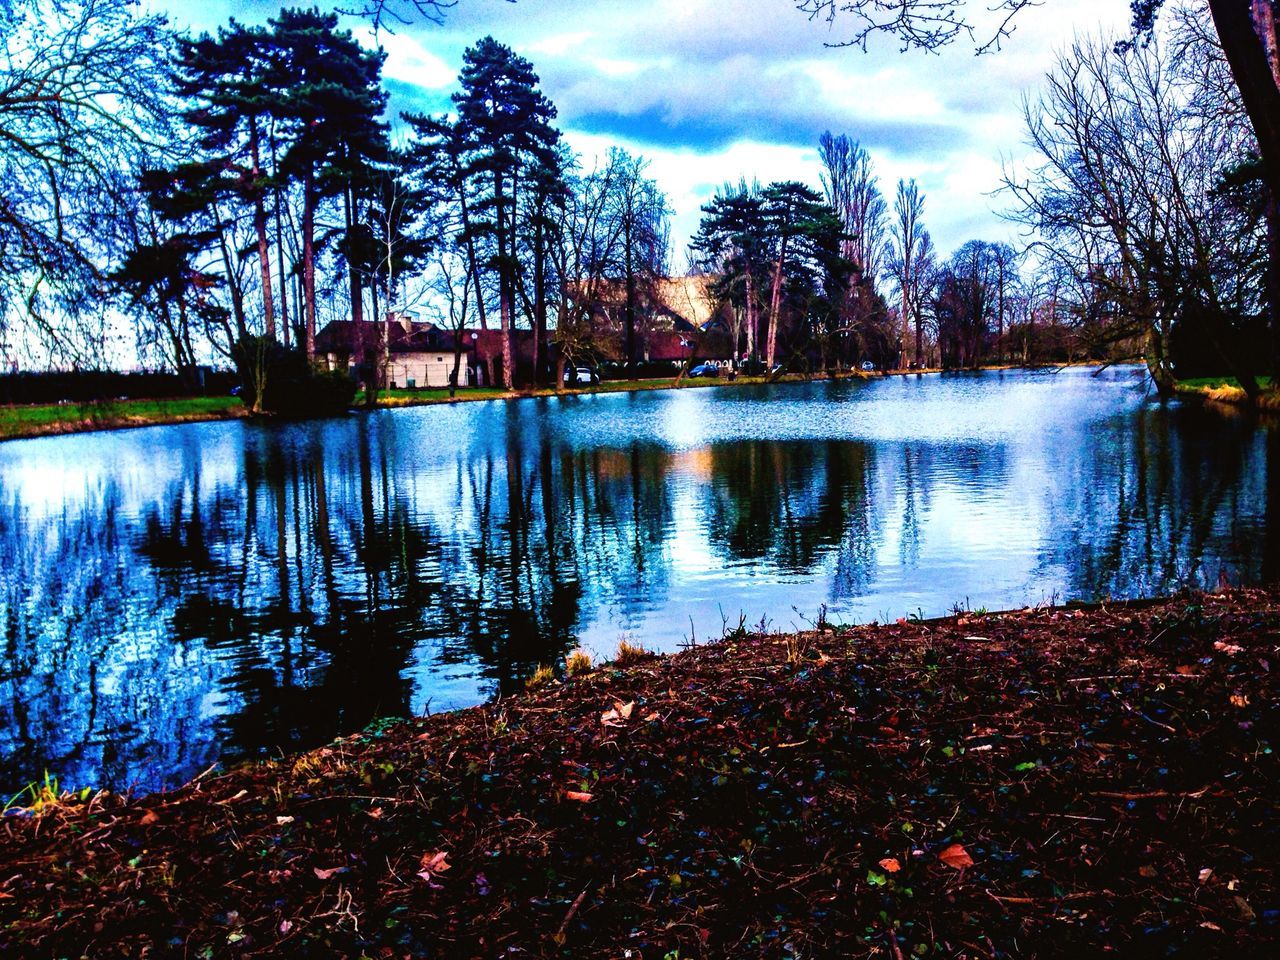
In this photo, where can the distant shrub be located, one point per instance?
(279, 380)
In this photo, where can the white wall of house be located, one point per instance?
(423, 370)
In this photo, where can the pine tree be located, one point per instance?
(504, 124)
(332, 103)
(224, 77)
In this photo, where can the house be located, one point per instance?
(418, 355)
(676, 317)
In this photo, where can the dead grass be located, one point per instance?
(577, 663)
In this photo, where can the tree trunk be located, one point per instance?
(539, 305)
(1247, 32)
(629, 311)
(775, 307)
(309, 260)
(504, 291)
(1158, 365)
(260, 226)
(753, 322)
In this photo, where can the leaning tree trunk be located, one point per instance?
(1247, 32)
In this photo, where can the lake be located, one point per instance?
(176, 596)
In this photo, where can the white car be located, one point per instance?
(580, 375)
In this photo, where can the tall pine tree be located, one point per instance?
(504, 123)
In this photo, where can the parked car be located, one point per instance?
(868, 366)
(580, 375)
(705, 370)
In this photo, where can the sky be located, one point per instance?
(714, 90)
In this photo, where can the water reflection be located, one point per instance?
(172, 597)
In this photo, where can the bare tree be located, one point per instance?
(82, 110)
(1128, 194)
(907, 238)
(1248, 33)
(919, 24)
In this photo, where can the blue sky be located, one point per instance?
(712, 90)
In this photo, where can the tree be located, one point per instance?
(504, 125)
(908, 239)
(1248, 32)
(792, 212)
(224, 79)
(1130, 195)
(588, 239)
(544, 198)
(640, 208)
(852, 191)
(732, 243)
(434, 162)
(82, 108)
(331, 101)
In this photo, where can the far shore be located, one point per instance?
(21, 422)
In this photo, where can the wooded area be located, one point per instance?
(225, 196)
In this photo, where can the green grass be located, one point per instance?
(400, 398)
(40, 419)
(1215, 383)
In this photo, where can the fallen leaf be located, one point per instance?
(149, 818)
(618, 715)
(1230, 649)
(1239, 700)
(283, 821)
(434, 863)
(579, 795)
(956, 857)
(890, 865)
(1205, 874)
(331, 872)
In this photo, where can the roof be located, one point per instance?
(687, 301)
(404, 337)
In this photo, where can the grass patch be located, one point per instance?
(629, 653)
(1228, 390)
(576, 663)
(52, 418)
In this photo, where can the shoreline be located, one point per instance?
(1059, 780)
(1220, 391)
(97, 417)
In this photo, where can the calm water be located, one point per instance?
(174, 596)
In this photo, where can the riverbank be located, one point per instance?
(1046, 783)
(40, 420)
(1227, 390)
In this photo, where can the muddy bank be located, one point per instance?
(1047, 783)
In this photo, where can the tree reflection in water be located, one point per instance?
(178, 596)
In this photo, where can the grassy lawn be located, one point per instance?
(41, 419)
(1215, 383)
(1227, 390)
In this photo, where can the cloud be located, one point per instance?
(713, 90)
